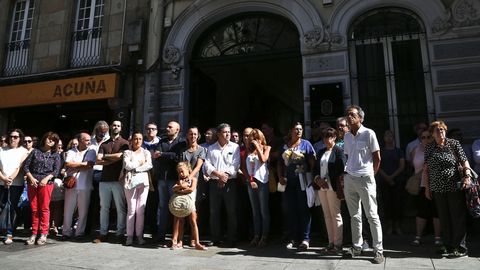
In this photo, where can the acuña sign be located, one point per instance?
(87, 87)
(60, 91)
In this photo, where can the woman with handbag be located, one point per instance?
(137, 163)
(446, 184)
(298, 160)
(41, 167)
(328, 175)
(425, 208)
(11, 177)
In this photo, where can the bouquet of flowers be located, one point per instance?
(291, 156)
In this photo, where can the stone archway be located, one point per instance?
(202, 14)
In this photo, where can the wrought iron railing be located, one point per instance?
(16, 58)
(86, 48)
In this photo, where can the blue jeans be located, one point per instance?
(299, 217)
(228, 196)
(15, 193)
(107, 191)
(260, 210)
(165, 192)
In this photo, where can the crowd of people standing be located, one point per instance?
(340, 171)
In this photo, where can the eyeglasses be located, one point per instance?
(14, 136)
(3, 140)
(353, 114)
(28, 141)
(149, 129)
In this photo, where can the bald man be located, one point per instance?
(166, 153)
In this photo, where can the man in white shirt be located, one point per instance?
(221, 165)
(79, 163)
(363, 161)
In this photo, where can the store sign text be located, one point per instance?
(80, 88)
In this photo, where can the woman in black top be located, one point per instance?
(444, 183)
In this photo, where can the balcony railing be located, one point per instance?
(86, 48)
(16, 58)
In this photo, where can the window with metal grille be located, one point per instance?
(390, 73)
(16, 60)
(248, 34)
(87, 37)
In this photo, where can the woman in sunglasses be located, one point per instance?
(11, 176)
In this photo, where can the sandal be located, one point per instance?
(42, 240)
(31, 240)
(303, 246)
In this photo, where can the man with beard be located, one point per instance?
(110, 156)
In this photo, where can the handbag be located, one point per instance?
(136, 179)
(70, 181)
(413, 184)
(5, 219)
(472, 196)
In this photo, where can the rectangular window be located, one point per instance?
(87, 37)
(16, 60)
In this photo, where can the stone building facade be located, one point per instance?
(403, 61)
(203, 62)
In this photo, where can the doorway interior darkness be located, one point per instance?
(245, 70)
(65, 119)
(390, 72)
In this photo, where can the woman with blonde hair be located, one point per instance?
(257, 178)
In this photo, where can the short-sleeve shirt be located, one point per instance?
(10, 161)
(442, 165)
(84, 177)
(111, 172)
(193, 157)
(359, 149)
(306, 148)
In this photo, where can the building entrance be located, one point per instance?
(245, 70)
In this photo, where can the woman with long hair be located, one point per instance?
(257, 178)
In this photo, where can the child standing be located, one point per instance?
(185, 185)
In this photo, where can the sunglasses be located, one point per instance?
(15, 137)
(148, 129)
(28, 141)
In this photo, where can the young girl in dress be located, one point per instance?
(185, 185)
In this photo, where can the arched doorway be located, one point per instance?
(390, 73)
(246, 69)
